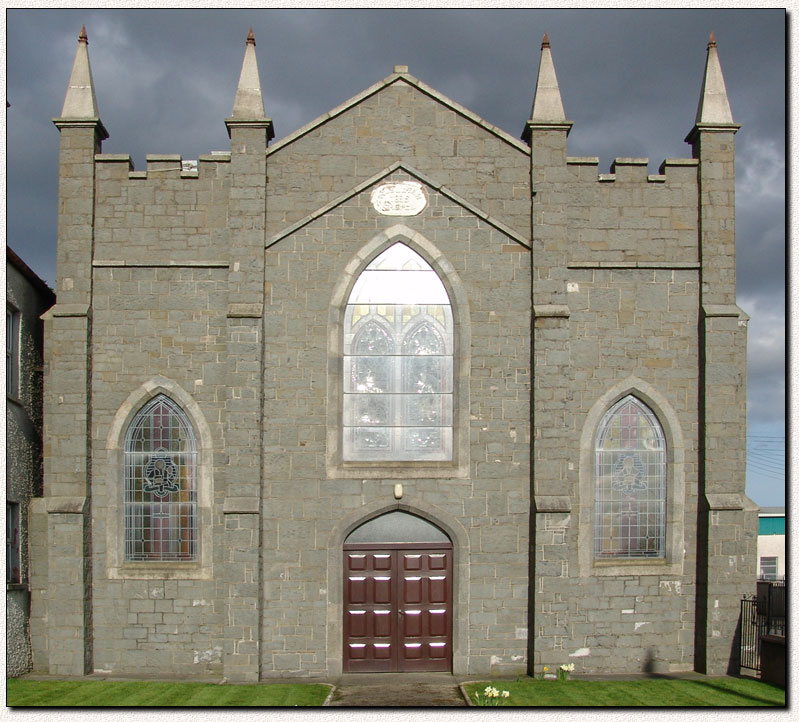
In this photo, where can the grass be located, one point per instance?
(105, 693)
(704, 692)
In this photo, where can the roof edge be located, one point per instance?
(421, 87)
(30, 274)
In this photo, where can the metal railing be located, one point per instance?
(763, 613)
(771, 605)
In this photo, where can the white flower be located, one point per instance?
(505, 693)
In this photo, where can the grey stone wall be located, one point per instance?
(162, 323)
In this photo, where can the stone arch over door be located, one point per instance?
(460, 577)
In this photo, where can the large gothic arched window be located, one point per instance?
(630, 477)
(160, 484)
(398, 351)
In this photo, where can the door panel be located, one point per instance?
(425, 602)
(369, 625)
(397, 609)
(437, 590)
(439, 622)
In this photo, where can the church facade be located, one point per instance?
(397, 392)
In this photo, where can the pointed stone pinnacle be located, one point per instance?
(547, 105)
(248, 102)
(80, 101)
(714, 108)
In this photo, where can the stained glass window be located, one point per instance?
(630, 492)
(160, 485)
(398, 341)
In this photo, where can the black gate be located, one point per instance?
(763, 613)
(752, 626)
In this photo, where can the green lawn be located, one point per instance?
(105, 693)
(705, 692)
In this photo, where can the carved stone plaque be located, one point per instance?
(407, 198)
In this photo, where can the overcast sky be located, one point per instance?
(630, 80)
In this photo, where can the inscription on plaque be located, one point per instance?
(399, 199)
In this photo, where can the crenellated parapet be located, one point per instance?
(119, 165)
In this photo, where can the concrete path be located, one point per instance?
(397, 690)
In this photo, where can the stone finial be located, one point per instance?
(547, 105)
(80, 101)
(249, 102)
(714, 108)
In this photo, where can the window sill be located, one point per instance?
(634, 567)
(160, 570)
(398, 470)
(14, 400)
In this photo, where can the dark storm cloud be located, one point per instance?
(630, 81)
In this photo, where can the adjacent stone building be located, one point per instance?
(396, 392)
(27, 298)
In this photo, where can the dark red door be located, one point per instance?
(397, 608)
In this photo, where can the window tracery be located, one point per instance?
(398, 368)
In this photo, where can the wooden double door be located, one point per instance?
(398, 607)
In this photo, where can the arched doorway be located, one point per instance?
(397, 596)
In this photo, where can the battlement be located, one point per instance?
(621, 169)
(119, 165)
